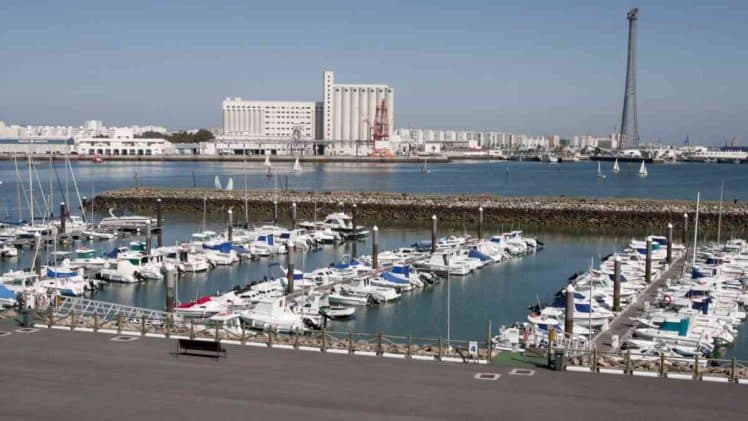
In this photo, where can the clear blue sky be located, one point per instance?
(539, 67)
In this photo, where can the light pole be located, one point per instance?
(449, 302)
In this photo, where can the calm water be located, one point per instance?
(499, 293)
(680, 181)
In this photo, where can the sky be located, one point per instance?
(534, 67)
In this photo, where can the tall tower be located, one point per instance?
(328, 107)
(629, 123)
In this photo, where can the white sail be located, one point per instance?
(217, 183)
(297, 167)
(230, 184)
(616, 168)
(643, 170)
(425, 168)
(599, 171)
(267, 161)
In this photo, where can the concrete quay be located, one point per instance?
(621, 215)
(83, 376)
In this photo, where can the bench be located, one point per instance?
(206, 348)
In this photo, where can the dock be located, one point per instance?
(622, 324)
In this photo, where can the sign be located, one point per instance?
(473, 347)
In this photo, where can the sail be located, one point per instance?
(297, 166)
(642, 169)
(616, 168)
(217, 183)
(599, 169)
(267, 161)
(230, 184)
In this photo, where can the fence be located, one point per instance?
(323, 340)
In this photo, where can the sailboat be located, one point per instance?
(296, 167)
(600, 171)
(642, 170)
(616, 168)
(268, 166)
(425, 168)
(230, 184)
(217, 183)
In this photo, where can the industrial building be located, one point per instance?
(347, 113)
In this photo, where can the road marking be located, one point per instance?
(4, 333)
(487, 376)
(27, 330)
(578, 369)
(522, 372)
(124, 338)
(715, 379)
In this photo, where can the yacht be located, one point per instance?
(125, 222)
(364, 289)
(642, 170)
(272, 314)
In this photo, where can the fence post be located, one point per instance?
(296, 340)
(351, 349)
(379, 344)
(733, 374)
(324, 340)
(192, 329)
(407, 353)
(662, 365)
(72, 320)
(244, 335)
(51, 320)
(594, 360)
(270, 338)
(142, 325)
(218, 332)
(696, 367)
(119, 324)
(627, 367)
(95, 323)
(440, 349)
(168, 326)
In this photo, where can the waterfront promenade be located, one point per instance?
(83, 376)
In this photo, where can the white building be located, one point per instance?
(269, 119)
(122, 143)
(350, 110)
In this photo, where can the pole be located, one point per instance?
(449, 302)
(171, 287)
(159, 222)
(433, 233)
(205, 210)
(669, 243)
(63, 217)
(374, 247)
(569, 316)
(354, 246)
(231, 225)
(148, 237)
(480, 222)
(617, 284)
(275, 212)
(696, 227)
(684, 238)
(648, 263)
(293, 215)
(719, 215)
(290, 271)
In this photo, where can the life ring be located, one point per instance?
(667, 299)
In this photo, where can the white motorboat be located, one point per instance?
(364, 288)
(339, 296)
(125, 222)
(273, 314)
(201, 308)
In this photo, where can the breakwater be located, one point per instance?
(622, 215)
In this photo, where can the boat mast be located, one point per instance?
(696, 228)
(31, 192)
(51, 200)
(77, 192)
(719, 215)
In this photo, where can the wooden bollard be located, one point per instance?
(218, 332)
(168, 326)
(593, 363)
(296, 339)
(441, 350)
(192, 329)
(380, 351)
(119, 324)
(351, 349)
(696, 367)
(489, 345)
(270, 338)
(627, 362)
(407, 351)
(324, 340)
(662, 365)
(95, 323)
(243, 339)
(733, 373)
(72, 320)
(142, 325)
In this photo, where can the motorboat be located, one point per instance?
(202, 307)
(125, 222)
(272, 314)
(365, 289)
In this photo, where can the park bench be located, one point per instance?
(195, 347)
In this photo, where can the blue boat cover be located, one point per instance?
(224, 247)
(51, 273)
(6, 293)
(394, 279)
(475, 254)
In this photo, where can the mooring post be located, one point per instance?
(231, 225)
(95, 323)
(275, 212)
(627, 362)
(72, 320)
(433, 233)
(696, 367)
(684, 239)
(148, 238)
(63, 217)
(669, 243)
(159, 223)
(617, 283)
(407, 351)
(290, 271)
(569, 316)
(293, 215)
(119, 324)
(351, 348)
(375, 248)
(380, 351)
(733, 374)
(142, 325)
(662, 365)
(441, 349)
(171, 287)
(354, 247)
(324, 340)
(480, 222)
(648, 262)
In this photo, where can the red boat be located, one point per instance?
(97, 160)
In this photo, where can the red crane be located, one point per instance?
(381, 123)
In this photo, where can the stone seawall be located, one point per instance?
(621, 215)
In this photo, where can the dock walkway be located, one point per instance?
(622, 324)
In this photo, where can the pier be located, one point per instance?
(622, 324)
